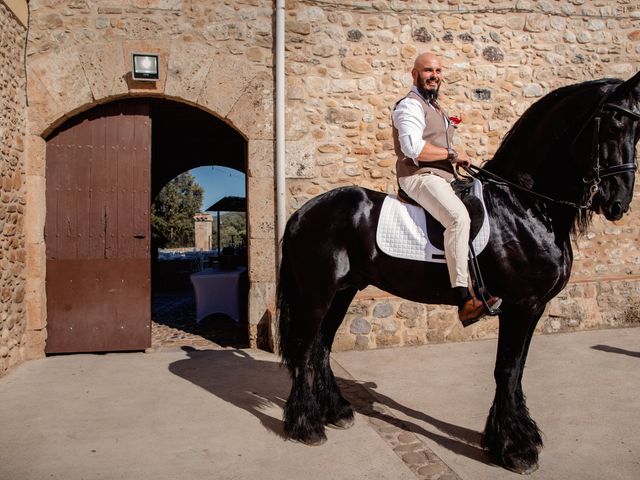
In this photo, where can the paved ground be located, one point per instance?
(214, 412)
(582, 388)
(173, 325)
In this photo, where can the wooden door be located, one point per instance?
(97, 231)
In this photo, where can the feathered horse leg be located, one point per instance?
(300, 314)
(511, 436)
(336, 411)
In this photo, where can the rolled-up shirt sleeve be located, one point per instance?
(408, 118)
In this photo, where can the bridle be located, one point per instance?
(593, 179)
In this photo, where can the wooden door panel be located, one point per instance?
(98, 231)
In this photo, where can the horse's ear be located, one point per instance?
(630, 87)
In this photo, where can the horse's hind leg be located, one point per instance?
(336, 411)
(511, 435)
(303, 417)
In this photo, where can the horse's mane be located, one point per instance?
(540, 145)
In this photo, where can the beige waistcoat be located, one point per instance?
(436, 133)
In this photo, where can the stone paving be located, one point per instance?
(407, 445)
(173, 325)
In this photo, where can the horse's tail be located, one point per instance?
(286, 295)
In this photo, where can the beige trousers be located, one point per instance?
(436, 196)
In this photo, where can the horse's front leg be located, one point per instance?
(511, 436)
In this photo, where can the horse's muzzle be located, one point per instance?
(615, 211)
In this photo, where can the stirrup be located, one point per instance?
(482, 293)
(484, 313)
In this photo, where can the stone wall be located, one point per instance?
(347, 62)
(12, 191)
(347, 66)
(216, 56)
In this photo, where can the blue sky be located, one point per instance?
(219, 182)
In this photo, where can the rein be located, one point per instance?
(478, 172)
(594, 179)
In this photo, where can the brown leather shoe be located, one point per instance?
(473, 310)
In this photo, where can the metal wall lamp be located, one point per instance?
(145, 67)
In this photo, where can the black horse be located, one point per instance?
(571, 154)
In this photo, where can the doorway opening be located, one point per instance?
(194, 149)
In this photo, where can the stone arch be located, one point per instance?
(63, 83)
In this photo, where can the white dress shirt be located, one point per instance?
(408, 118)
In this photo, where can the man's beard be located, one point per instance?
(429, 95)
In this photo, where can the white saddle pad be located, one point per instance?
(402, 231)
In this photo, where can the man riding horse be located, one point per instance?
(422, 136)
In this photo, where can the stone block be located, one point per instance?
(486, 72)
(252, 113)
(262, 298)
(357, 65)
(535, 23)
(35, 209)
(354, 35)
(343, 86)
(324, 50)
(383, 310)
(44, 110)
(387, 339)
(301, 28)
(261, 207)
(36, 341)
(159, 4)
(36, 263)
(368, 84)
(359, 307)
(261, 159)
(64, 79)
(412, 313)
(344, 342)
(362, 343)
(187, 69)
(35, 155)
(532, 90)
(360, 326)
(262, 259)
(36, 312)
(106, 69)
(300, 159)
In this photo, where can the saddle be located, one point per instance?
(406, 230)
(465, 192)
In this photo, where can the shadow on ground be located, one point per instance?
(177, 310)
(610, 349)
(257, 385)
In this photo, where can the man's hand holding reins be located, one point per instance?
(460, 159)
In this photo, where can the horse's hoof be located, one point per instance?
(314, 441)
(342, 423)
(521, 467)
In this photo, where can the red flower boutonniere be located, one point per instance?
(455, 121)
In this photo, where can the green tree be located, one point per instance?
(233, 229)
(173, 210)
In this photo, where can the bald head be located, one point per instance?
(426, 58)
(427, 75)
